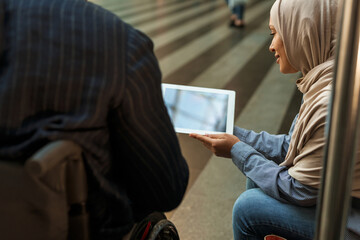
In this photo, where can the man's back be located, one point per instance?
(72, 70)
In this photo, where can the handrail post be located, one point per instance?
(342, 129)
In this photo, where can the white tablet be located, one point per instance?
(200, 110)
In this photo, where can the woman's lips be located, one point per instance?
(277, 58)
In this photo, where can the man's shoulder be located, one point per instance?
(76, 10)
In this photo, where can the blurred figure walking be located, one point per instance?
(237, 8)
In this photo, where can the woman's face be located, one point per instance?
(277, 47)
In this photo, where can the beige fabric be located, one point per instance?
(307, 28)
(306, 150)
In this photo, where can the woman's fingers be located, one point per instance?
(219, 144)
(216, 136)
(203, 138)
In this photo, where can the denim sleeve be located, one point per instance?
(274, 180)
(273, 147)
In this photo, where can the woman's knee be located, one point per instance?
(256, 214)
(249, 200)
(246, 208)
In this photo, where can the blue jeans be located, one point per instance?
(256, 215)
(238, 10)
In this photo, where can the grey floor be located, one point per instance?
(196, 47)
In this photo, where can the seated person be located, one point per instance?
(73, 70)
(284, 171)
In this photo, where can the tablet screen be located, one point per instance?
(199, 110)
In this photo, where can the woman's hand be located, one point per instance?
(219, 144)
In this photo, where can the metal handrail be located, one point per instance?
(343, 128)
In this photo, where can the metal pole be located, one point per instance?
(342, 131)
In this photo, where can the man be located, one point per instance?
(72, 70)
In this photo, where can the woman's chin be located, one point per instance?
(287, 70)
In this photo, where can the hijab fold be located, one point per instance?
(307, 28)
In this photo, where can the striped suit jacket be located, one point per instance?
(72, 70)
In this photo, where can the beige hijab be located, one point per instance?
(307, 28)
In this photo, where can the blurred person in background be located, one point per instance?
(237, 8)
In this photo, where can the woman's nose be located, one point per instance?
(271, 48)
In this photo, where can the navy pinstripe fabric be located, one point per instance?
(72, 70)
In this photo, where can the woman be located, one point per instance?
(284, 171)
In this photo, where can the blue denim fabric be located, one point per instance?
(238, 10)
(250, 221)
(256, 215)
(257, 155)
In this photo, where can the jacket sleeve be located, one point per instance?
(148, 154)
(258, 156)
(273, 147)
(274, 180)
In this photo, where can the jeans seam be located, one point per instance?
(283, 228)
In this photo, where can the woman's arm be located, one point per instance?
(266, 174)
(273, 147)
(271, 178)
